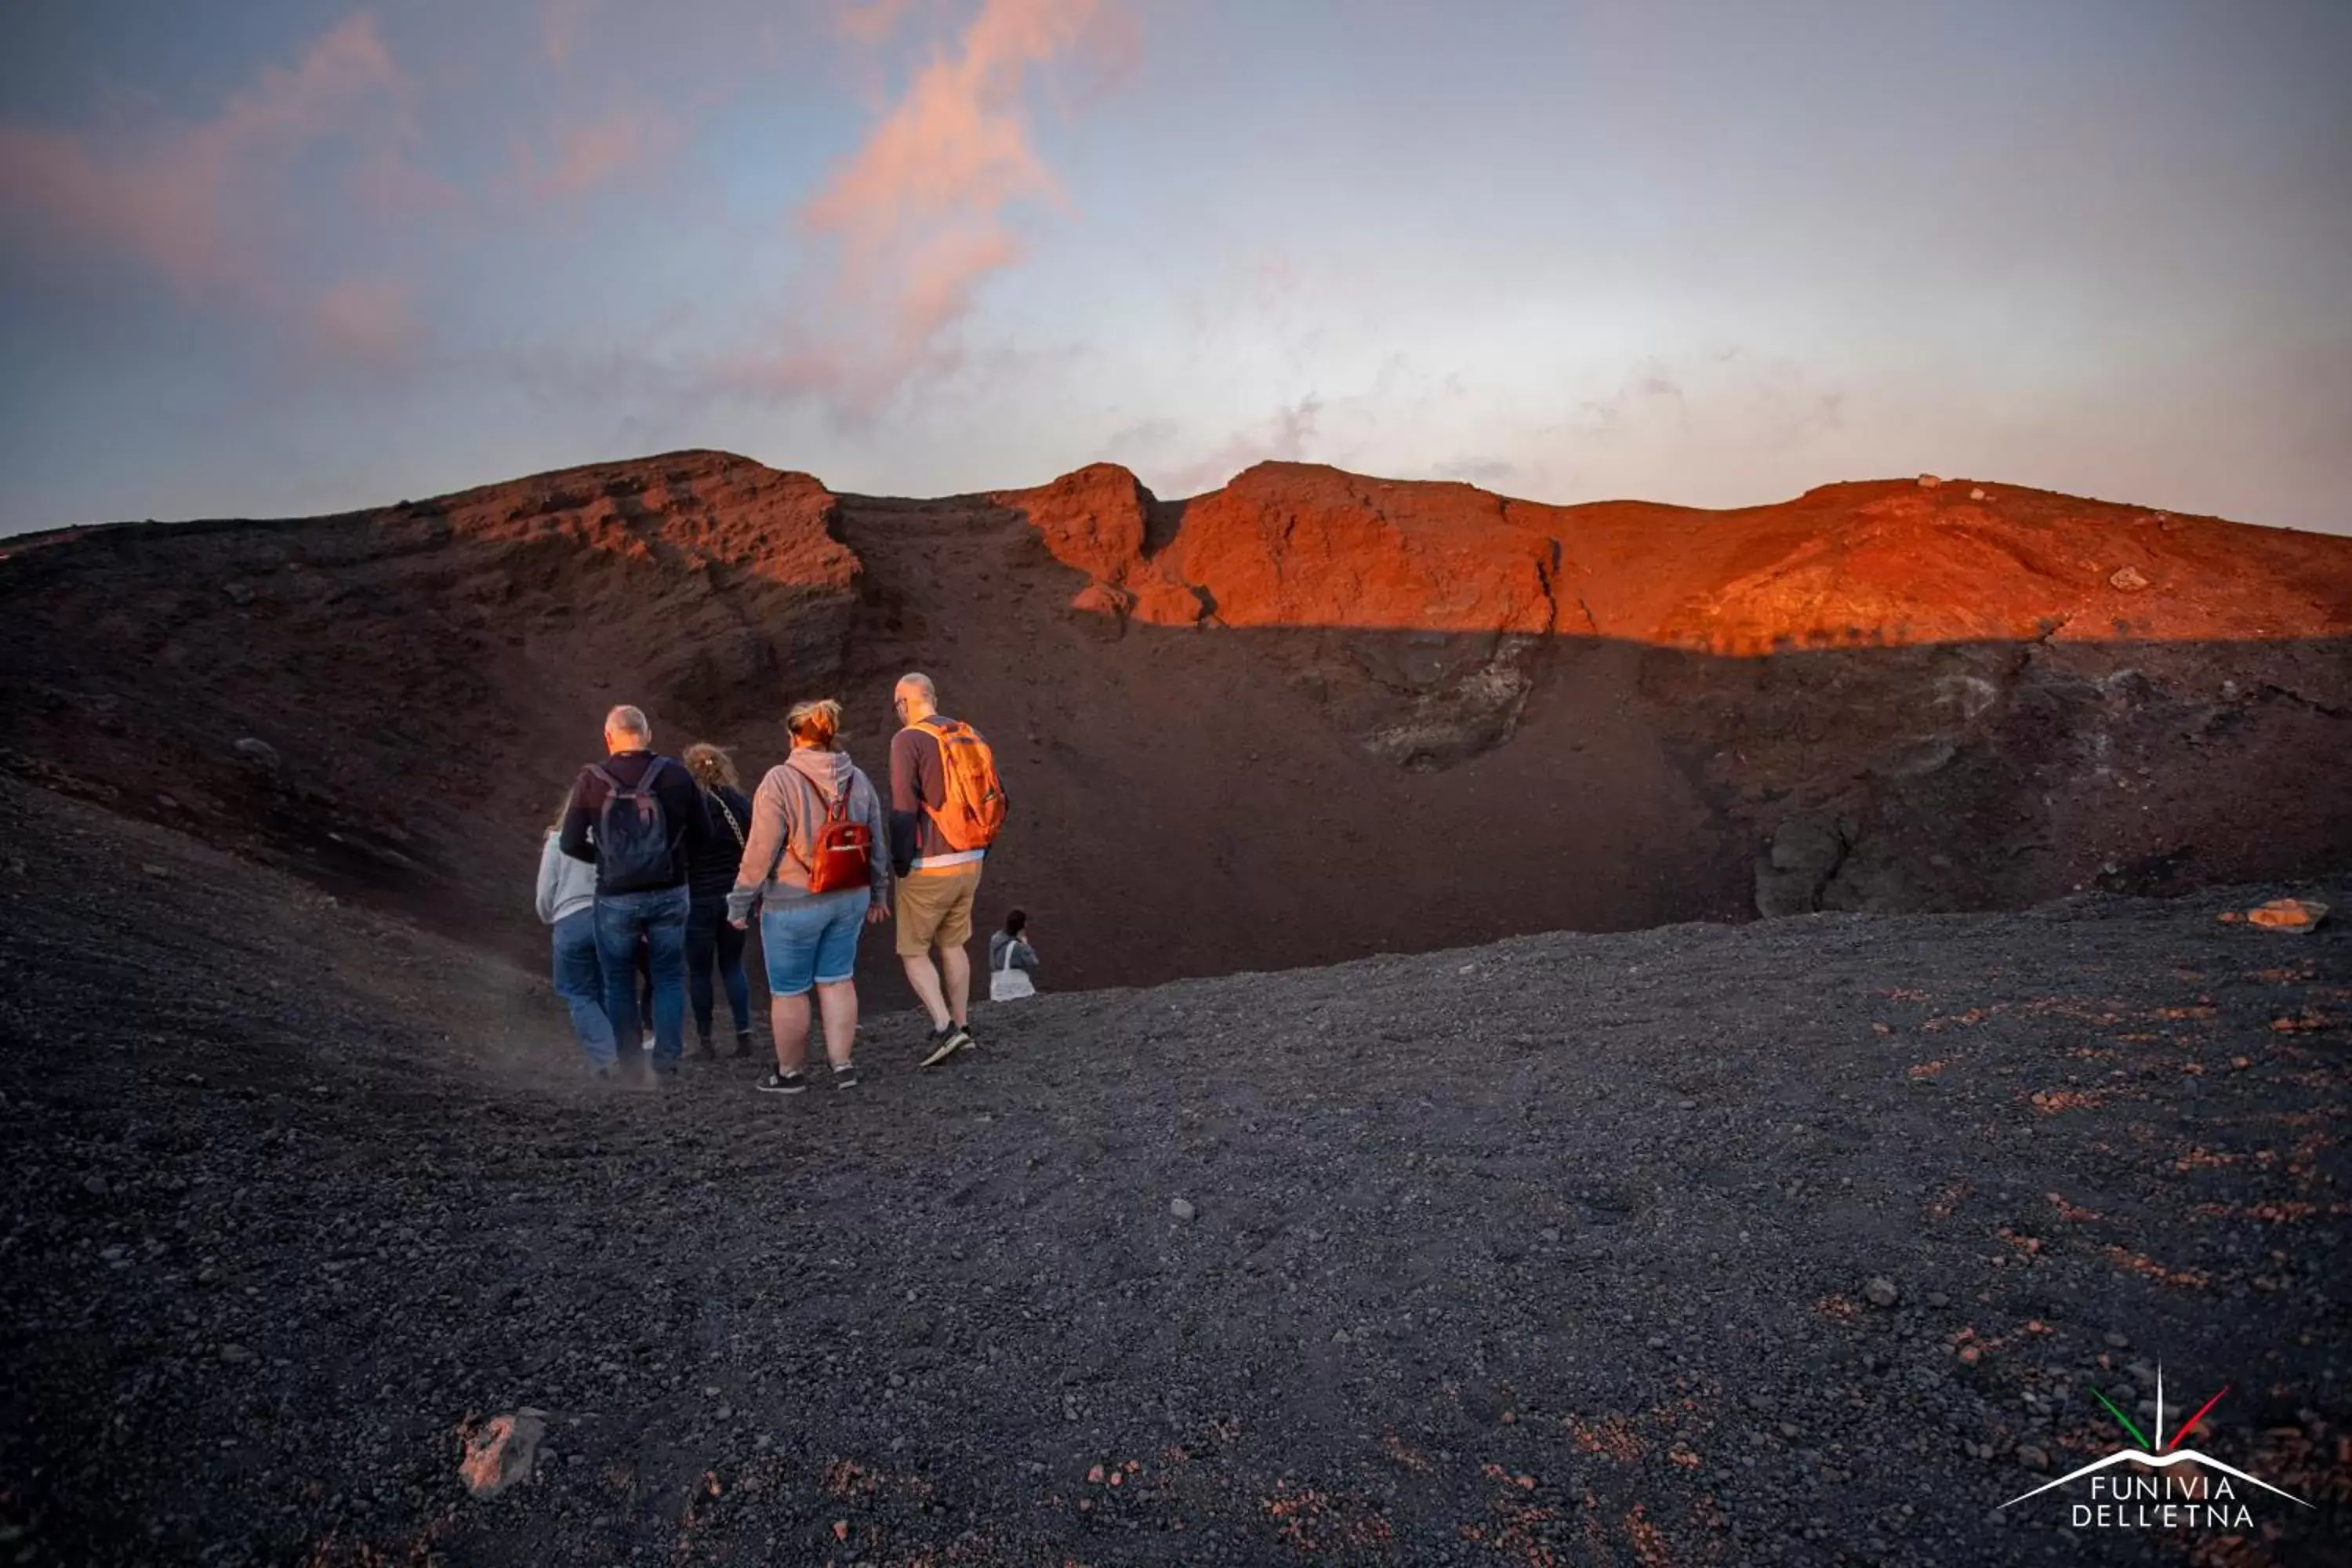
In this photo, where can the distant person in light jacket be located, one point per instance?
(1012, 961)
(567, 905)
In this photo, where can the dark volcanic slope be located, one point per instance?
(1308, 716)
(1553, 1251)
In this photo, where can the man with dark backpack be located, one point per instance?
(637, 816)
(945, 807)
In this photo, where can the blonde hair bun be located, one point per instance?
(816, 722)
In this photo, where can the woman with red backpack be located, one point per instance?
(817, 865)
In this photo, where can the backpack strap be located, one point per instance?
(785, 848)
(645, 781)
(728, 812)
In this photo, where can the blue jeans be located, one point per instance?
(813, 942)
(579, 981)
(660, 918)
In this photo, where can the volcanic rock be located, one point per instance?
(2288, 914)
(502, 1452)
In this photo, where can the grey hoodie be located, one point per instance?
(792, 810)
(566, 886)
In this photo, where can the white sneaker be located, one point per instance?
(648, 1044)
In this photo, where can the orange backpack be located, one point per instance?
(975, 806)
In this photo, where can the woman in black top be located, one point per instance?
(710, 872)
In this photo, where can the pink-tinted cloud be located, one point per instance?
(196, 204)
(869, 22)
(916, 218)
(596, 154)
(364, 321)
(559, 28)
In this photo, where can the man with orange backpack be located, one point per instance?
(945, 807)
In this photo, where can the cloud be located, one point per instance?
(559, 28)
(1283, 436)
(365, 321)
(198, 204)
(869, 22)
(916, 220)
(1722, 397)
(1641, 398)
(592, 154)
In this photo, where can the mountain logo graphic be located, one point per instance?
(2160, 1453)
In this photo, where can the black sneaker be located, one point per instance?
(845, 1076)
(945, 1041)
(704, 1051)
(742, 1043)
(782, 1083)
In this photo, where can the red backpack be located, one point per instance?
(842, 856)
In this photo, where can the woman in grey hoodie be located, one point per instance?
(567, 905)
(810, 939)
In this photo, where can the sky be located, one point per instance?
(294, 256)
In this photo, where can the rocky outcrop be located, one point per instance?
(1804, 855)
(1097, 521)
(1885, 565)
(1471, 588)
(1298, 544)
(374, 697)
(1465, 591)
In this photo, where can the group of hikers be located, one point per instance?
(654, 868)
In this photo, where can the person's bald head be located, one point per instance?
(915, 698)
(626, 729)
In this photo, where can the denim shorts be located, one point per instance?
(813, 942)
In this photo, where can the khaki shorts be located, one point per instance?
(936, 907)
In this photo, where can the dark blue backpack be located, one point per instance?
(633, 841)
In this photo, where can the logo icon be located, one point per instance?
(2204, 1495)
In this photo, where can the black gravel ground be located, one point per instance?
(1558, 1251)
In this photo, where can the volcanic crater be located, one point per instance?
(1605, 1033)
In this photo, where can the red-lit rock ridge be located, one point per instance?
(1881, 563)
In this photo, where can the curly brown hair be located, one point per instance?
(711, 767)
